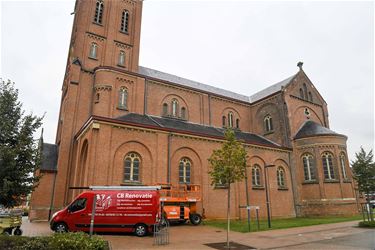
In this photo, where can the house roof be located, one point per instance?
(49, 157)
(311, 128)
(192, 128)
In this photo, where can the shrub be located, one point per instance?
(71, 241)
(366, 224)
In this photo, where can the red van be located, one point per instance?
(117, 209)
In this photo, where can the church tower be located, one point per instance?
(104, 48)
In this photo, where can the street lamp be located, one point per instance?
(267, 195)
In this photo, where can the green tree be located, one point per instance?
(364, 174)
(19, 152)
(228, 165)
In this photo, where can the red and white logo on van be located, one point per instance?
(103, 201)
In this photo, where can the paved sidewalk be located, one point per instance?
(344, 235)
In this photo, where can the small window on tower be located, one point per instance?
(123, 99)
(93, 51)
(121, 58)
(125, 21)
(99, 12)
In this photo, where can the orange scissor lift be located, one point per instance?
(180, 202)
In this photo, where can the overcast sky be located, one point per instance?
(242, 46)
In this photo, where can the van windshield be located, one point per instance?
(78, 205)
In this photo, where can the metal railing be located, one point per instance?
(161, 233)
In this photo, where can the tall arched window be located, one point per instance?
(123, 98)
(305, 91)
(343, 168)
(93, 50)
(308, 167)
(132, 167)
(237, 123)
(280, 177)
(125, 21)
(183, 113)
(301, 93)
(184, 170)
(165, 109)
(328, 166)
(224, 121)
(310, 97)
(255, 175)
(99, 11)
(230, 119)
(268, 126)
(121, 58)
(174, 107)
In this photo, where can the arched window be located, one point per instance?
(268, 126)
(230, 119)
(93, 50)
(121, 58)
(174, 107)
(308, 167)
(328, 166)
(125, 21)
(99, 11)
(131, 167)
(255, 175)
(301, 93)
(165, 109)
(97, 97)
(237, 123)
(183, 113)
(184, 170)
(305, 91)
(343, 168)
(310, 97)
(123, 98)
(280, 177)
(224, 121)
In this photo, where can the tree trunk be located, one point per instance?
(228, 216)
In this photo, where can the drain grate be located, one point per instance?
(232, 246)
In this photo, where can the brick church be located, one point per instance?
(124, 124)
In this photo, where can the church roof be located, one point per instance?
(193, 128)
(311, 128)
(271, 89)
(49, 157)
(221, 92)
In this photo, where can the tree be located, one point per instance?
(228, 165)
(19, 152)
(364, 173)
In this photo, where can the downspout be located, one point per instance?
(52, 196)
(145, 97)
(209, 110)
(169, 159)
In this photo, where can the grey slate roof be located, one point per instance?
(49, 157)
(189, 83)
(204, 87)
(311, 128)
(185, 126)
(271, 89)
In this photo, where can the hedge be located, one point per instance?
(366, 224)
(71, 241)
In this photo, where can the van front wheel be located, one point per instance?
(140, 230)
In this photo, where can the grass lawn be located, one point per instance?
(241, 225)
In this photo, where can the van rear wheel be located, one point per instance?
(61, 227)
(140, 230)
